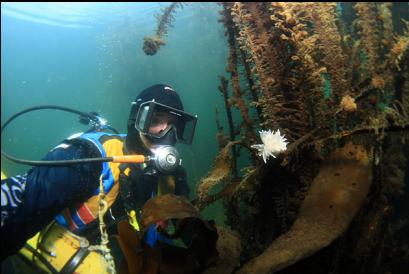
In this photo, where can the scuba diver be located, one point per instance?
(68, 195)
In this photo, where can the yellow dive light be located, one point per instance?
(130, 159)
(166, 158)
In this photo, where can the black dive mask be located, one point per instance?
(167, 138)
(180, 126)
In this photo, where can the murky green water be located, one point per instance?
(89, 57)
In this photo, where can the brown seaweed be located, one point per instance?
(151, 44)
(325, 78)
(332, 201)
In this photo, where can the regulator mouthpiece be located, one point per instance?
(166, 158)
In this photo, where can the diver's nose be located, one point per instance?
(163, 126)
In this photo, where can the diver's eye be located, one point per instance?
(155, 121)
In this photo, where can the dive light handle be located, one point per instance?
(136, 159)
(165, 158)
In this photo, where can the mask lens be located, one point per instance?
(157, 120)
(143, 118)
(185, 128)
(161, 122)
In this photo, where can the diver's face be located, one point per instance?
(160, 122)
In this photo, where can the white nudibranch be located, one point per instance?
(273, 144)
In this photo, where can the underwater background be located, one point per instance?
(333, 77)
(89, 57)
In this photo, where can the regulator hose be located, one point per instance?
(91, 116)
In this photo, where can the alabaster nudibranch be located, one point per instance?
(273, 144)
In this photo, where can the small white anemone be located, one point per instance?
(273, 144)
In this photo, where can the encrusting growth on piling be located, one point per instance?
(151, 44)
(333, 77)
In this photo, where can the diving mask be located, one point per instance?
(161, 122)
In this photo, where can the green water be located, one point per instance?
(89, 57)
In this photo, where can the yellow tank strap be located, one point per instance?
(3, 176)
(126, 171)
(112, 147)
(133, 220)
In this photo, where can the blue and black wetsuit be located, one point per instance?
(30, 202)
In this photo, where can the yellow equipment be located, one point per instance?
(57, 250)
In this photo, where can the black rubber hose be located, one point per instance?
(51, 163)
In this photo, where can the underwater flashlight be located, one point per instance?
(166, 158)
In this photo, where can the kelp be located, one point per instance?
(332, 201)
(151, 44)
(160, 213)
(325, 74)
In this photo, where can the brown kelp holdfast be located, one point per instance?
(190, 245)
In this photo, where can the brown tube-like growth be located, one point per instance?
(333, 199)
(152, 44)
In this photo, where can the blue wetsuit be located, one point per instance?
(32, 201)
